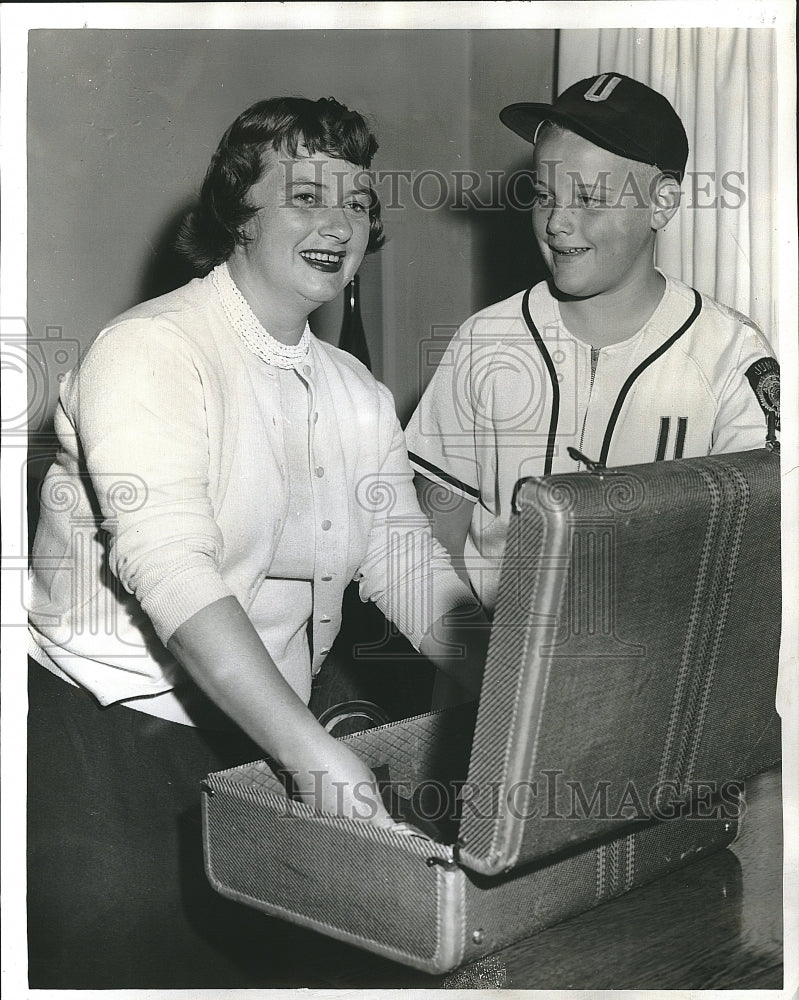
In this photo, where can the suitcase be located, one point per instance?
(629, 690)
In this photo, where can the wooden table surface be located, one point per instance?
(715, 924)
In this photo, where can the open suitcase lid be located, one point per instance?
(632, 667)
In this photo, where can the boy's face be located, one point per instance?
(592, 215)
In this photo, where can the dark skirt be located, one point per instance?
(117, 893)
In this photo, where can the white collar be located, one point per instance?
(248, 327)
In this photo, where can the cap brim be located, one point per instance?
(524, 120)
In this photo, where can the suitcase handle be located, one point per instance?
(346, 711)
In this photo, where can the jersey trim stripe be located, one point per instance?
(553, 378)
(663, 438)
(682, 426)
(603, 458)
(427, 467)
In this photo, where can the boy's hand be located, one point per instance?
(458, 645)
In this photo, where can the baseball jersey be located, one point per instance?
(514, 390)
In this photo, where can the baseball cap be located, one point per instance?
(614, 112)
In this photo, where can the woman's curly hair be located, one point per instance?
(216, 226)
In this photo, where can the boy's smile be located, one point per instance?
(593, 215)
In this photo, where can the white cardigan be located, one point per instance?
(171, 481)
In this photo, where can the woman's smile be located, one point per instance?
(323, 260)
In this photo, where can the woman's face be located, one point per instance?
(310, 232)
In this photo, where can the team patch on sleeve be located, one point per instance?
(764, 377)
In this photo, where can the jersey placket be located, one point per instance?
(594, 364)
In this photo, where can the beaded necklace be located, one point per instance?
(250, 330)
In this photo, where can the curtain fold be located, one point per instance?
(722, 81)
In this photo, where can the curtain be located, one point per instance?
(723, 84)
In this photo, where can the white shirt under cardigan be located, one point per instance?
(190, 470)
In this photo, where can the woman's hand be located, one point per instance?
(224, 654)
(338, 781)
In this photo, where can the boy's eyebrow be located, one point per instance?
(600, 182)
(596, 190)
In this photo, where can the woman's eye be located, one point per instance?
(305, 198)
(588, 201)
(357, 207)
(542, 199)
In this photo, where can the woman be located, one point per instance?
(232, 481)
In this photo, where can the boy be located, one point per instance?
(609, 357)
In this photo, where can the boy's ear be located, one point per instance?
(665, 200)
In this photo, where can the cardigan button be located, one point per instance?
(319, 472)
(306, 369)
(327, 525)
(326, 579)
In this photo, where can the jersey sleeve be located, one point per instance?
(441, 433)
(750, 398)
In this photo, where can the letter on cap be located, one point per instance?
(601, 91)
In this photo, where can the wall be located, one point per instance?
(505, 68)
(121, 125)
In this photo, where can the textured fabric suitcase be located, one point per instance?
(629, 690)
